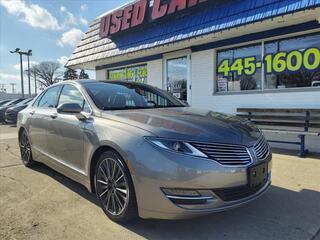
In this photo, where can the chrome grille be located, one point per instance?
(262, 148)
(225, 154)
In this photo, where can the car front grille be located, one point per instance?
(262, 148)
(225, 154)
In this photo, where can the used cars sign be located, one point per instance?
(135, 14)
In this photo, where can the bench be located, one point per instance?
(300, 122)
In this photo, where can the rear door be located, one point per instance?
(41, 113)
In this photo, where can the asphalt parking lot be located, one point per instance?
(40, 203)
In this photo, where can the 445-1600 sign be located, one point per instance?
(293, 61)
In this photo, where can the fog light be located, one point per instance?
(185, 197)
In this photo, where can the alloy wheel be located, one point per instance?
(112, 186)
(25, 148)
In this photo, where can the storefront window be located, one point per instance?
(177, 75)
(290, 63)
(236, 71)
(131, 74)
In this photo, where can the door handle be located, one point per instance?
(54, 115)
(32, 112)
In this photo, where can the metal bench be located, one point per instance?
(300, 122)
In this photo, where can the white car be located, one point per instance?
(315, 84)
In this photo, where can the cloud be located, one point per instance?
(25, 65)
(84, 7)
(63, 60)
(83, 21)
(7, 77)
(71, 37)
(32, 14)
(70, 19)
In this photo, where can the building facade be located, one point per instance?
(219, 55)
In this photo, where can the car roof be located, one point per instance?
(87, 81)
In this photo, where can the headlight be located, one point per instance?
(176, 146)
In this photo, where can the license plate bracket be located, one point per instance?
(258, 175)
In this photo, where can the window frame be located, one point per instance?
(261, 42)
(44, 93)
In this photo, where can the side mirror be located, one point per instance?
(73, 108)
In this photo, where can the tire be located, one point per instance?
(114, 188)
(25, 149)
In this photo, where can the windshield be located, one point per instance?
(119, 96)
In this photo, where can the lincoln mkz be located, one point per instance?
(142, 151)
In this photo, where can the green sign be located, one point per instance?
(136, 74)
(280, 62)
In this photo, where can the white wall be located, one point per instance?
(155, 73)
(202, 73)
(101, 74)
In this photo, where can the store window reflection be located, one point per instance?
(232, 63)
(304, 76)
(177, 75)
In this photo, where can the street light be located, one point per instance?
(28, 54)
(21, 69)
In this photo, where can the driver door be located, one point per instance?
(66, 133)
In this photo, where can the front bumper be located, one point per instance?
(155, 170)
(2, 116)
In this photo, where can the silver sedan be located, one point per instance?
(142, 151)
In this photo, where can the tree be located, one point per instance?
(83, 75)
(47, 73)
(70, 74)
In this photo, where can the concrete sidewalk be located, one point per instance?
(40, 203)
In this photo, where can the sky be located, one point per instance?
(51, 28)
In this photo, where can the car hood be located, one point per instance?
(190, 124)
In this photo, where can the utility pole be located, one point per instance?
(13, 85)
(29, 53)
(21, 70)
(2, 88)
(35, 83)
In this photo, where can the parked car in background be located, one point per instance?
(11, 113)
(2, 102)
(315, 84)
(5, 106)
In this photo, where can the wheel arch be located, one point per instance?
(22, 128)
(95, 157)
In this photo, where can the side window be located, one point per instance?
(50, 97)
(71, 94)
(36, 102)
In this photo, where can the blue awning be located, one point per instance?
(215, 19)
(212, 19)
